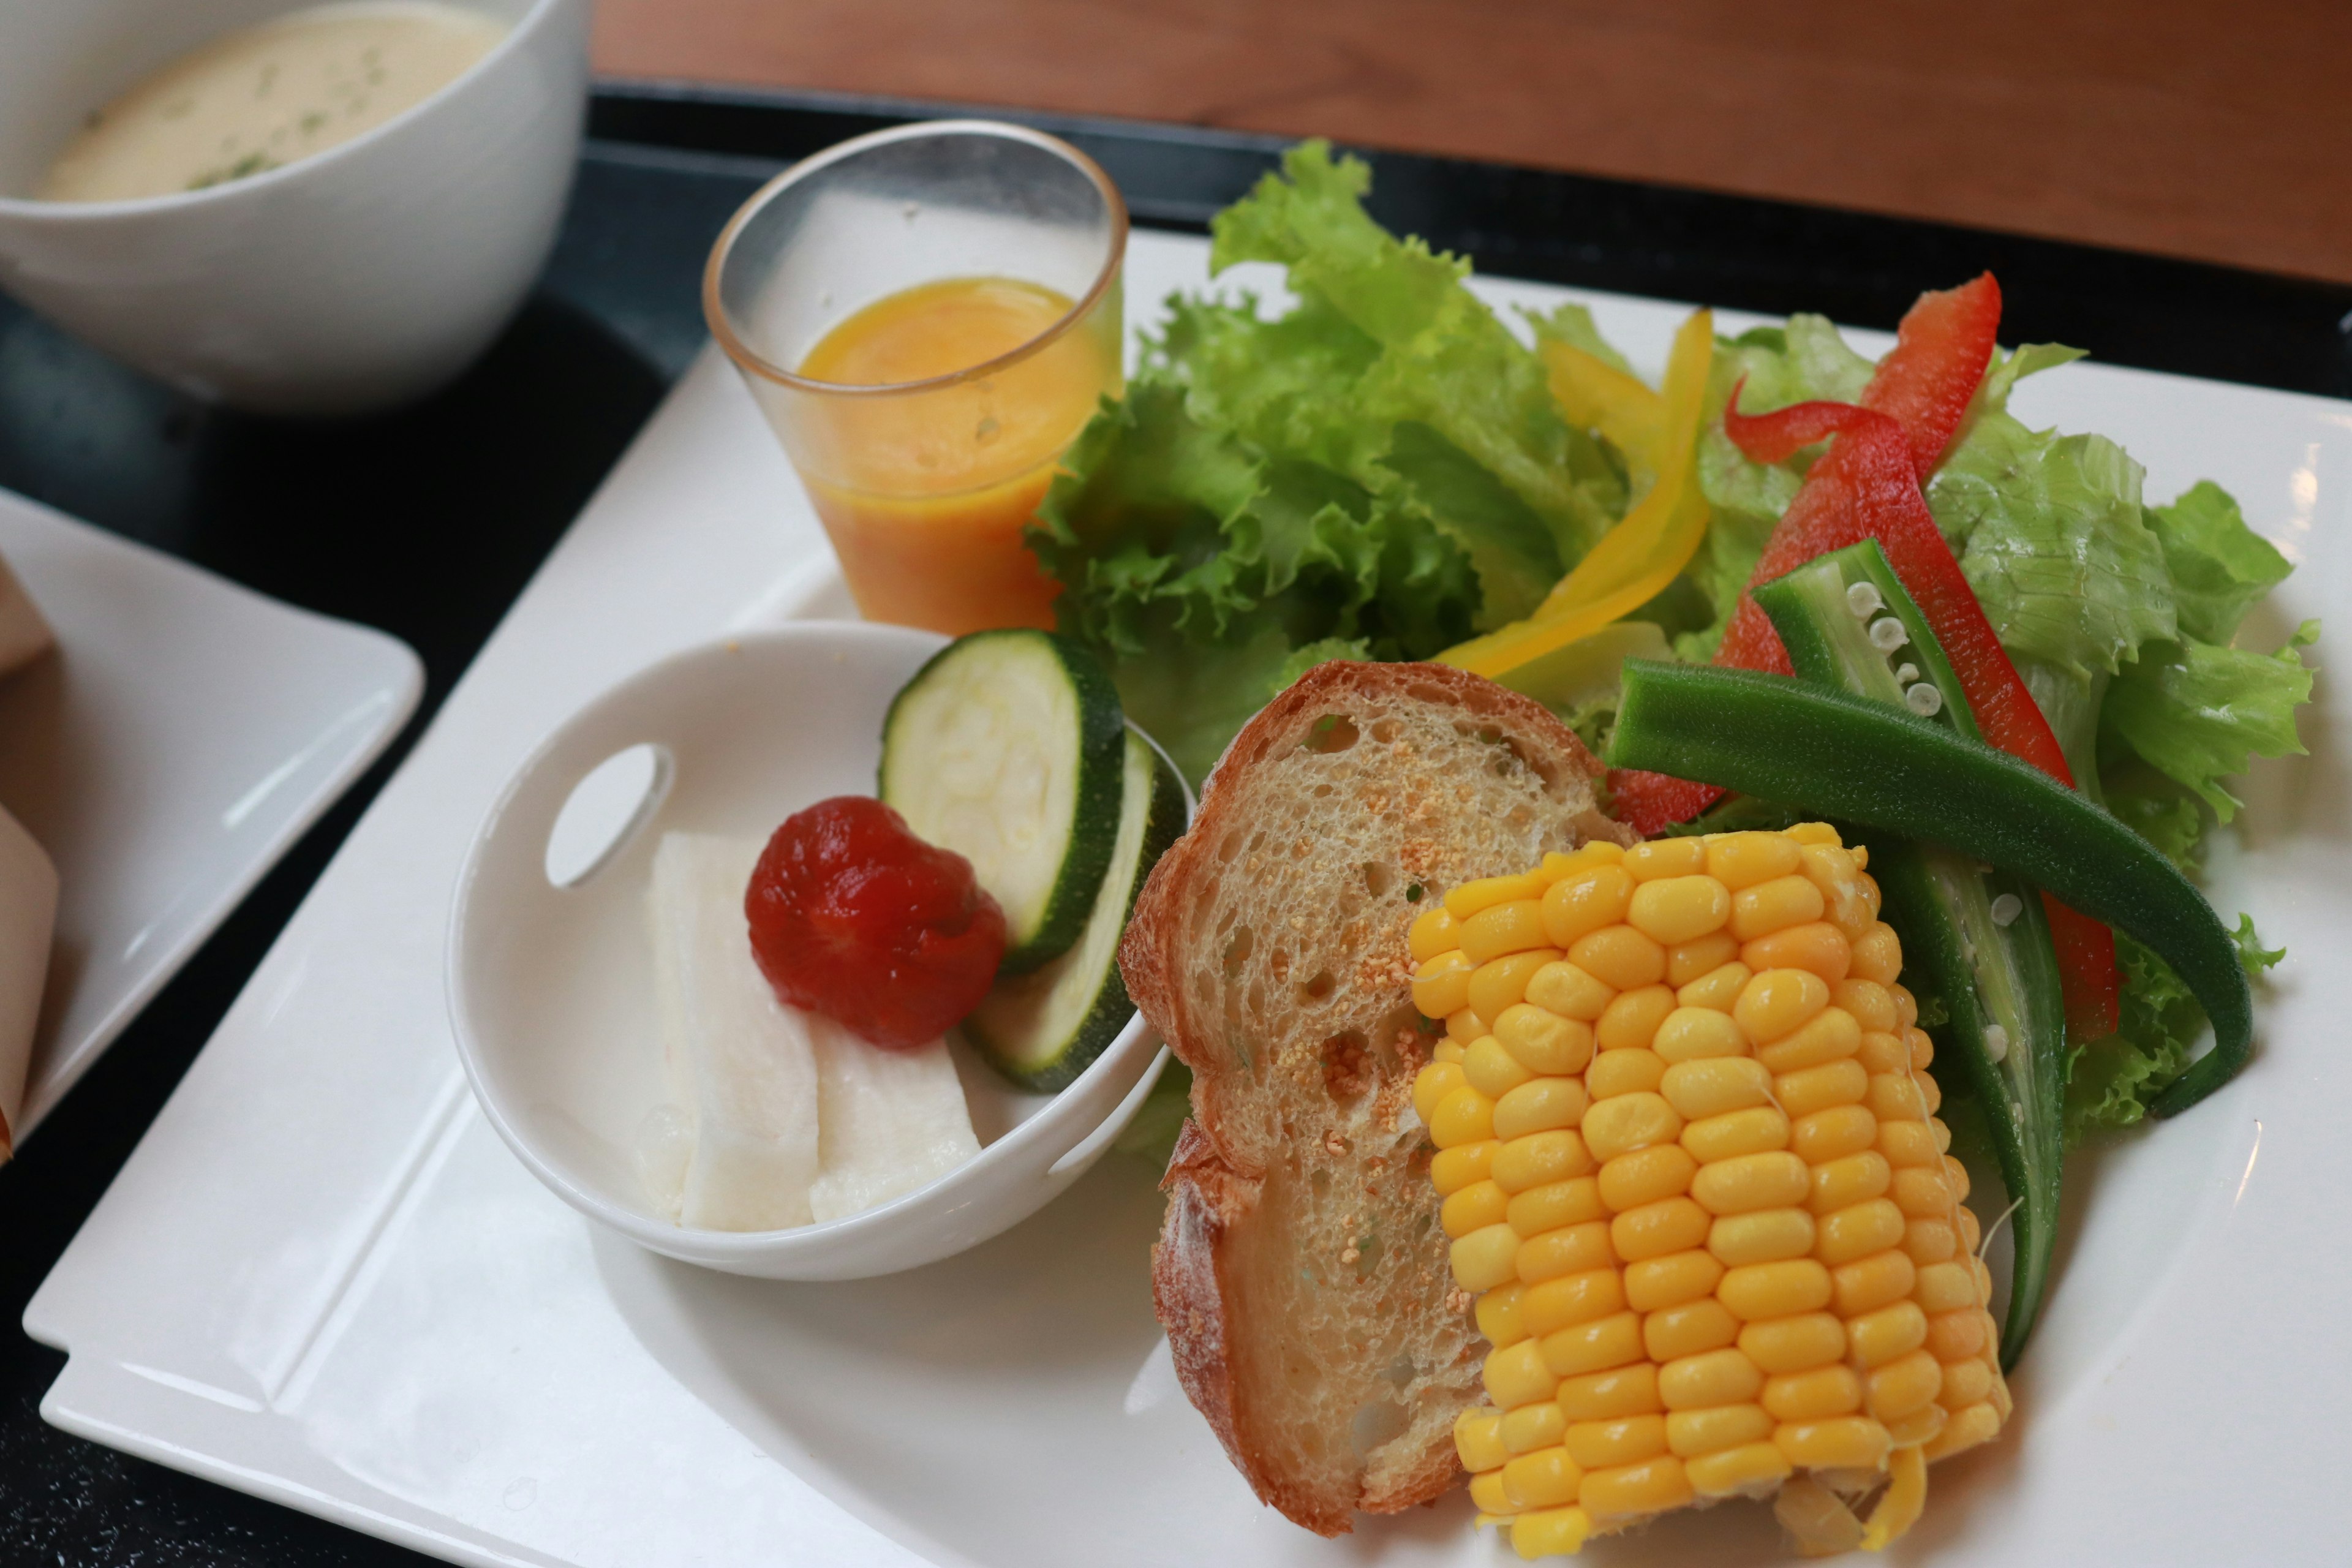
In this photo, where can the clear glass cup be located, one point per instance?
(925, 480)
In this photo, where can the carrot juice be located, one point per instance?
(939, 439)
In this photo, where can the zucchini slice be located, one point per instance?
(1042, 1029)
(1007, 748)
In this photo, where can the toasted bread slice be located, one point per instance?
(1300, 1273)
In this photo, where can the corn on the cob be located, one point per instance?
(1689, 1161)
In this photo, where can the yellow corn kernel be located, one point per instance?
(1503, 929)
(1434, 1083)
(1849, 899)
(1908, 1143)
(1598, 1445)
(1486, 1257)
(1946, 1288)
(1597, 1346)
(1971, 1234)
(1628, 1121)
(1502, 981)
(1464, 1164)
(1676, 909)
(1859, 1230)
(1917, 1428)
(1815, 1396)
(1588, 901)
(1956, 1336)
(1718, 989)
(1597, 852)
(1794, 1344)
(1621, 957)
(1923, 1054)
(1485, 893)
(1694, 1434)
(1740, 860)
(1486, 1491)
(1519, 1374)
(1876, 1338)
(1884, 1052)
(1542, 1041)
(1463, 1025)
(1631, 1491)
(1828, 1035)
(2000, 1397)
(1461, 1116)
(1751, 1469)
(1697, 1034)
(1818, 1089)
(1964, 1384)
(1449, 1049)
(1532, 1427)
(1895, 1097)
(1712, 1378)
(1692, 1329)
(1776, 905)
(1816, 946)
(1539, 1158)
(1665, 857)
(1499, 1314)
(1442, 986)
(1576, 1201)
(1646, 1175)
(1966, 1429)
(1854, 1178)
(1841, 1443)
(1715, 1086)
(1653, 1230)
(1492, 1070)
(1551, 1532)
(1702, 955)
(1571, 1249)
(1615, 1073)
(1736, 1132)
(1564, 989)
(1540, 1105)
(1630, 1390)
(1877, 955)
(1834, 1134)
(1551, 1305)
(1870, 1283)
(1655, 1284)
(1433, 931)
(1956, 1174)
(1765, 1236)
(1872, 1004)
(1775, 1179)
(1761, 1291)
(1478, 1439)
(1903, 1385)
(1475, 1206)
(1923, 1192)
(1929, 1241)
(1631, 1021)
(1778, 1002)
(1547, 1479)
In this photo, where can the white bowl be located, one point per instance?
(550, 988)
(359, 277)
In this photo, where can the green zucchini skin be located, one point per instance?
(1940, 905)
(1860, 761)
(1004, 1026)
(1099, 757)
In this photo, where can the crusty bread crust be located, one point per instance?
(1238, 1202)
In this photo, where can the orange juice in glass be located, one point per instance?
(929, 316)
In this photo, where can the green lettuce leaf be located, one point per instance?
(2199, 712)
(2220, 567)
(2110, 1082)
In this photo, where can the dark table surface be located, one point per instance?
(459, 500)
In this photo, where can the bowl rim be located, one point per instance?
(525, 30)
(695, 1243)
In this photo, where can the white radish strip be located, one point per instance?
(889, 1120)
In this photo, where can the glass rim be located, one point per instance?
(723, 328)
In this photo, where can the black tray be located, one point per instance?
(426, 524)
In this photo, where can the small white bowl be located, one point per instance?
(359, 277)
(550, 988)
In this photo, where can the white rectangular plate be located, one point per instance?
(178, 740)
(322, 1279)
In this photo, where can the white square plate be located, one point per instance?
(180, 738)
(322, 1279)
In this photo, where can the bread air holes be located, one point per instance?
(1237, 951)
(1379, 879)
(1387, 731)
(1331, 733)
(1349, 1069)
(1318, 987)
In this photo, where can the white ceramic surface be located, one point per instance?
(550, 988)
(354, 279)
(376, 1314)
(178, 740)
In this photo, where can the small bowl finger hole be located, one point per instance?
(605, 809)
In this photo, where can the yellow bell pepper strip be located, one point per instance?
(1594, 394)
(1647, 549)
